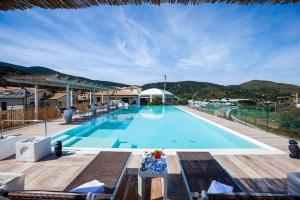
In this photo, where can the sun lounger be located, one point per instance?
(199, 169)
(249, 196)
(107, 167)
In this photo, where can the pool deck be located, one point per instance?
(50, 173)
(255, 173)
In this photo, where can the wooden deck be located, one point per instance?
(254, 173)
(55, 174)
(260, 173)
(51, 173)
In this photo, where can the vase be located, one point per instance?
(58, 149)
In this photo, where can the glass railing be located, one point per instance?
(276, 118)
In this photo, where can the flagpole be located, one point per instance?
(165, 76)
(164, 98)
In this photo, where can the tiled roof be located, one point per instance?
(58, 96)
(12, 89)
(16, 92)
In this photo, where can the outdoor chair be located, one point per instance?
(107, 167)
(199, 169)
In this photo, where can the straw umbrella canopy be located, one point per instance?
(75, 4)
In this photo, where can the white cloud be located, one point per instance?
(215, 43)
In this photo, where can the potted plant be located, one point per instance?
(157, 154)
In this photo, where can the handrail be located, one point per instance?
(7, 120)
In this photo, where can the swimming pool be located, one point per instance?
(151, 127)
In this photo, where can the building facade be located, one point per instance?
(128, 95)
(17, 97)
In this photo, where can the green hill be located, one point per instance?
(259, 85)
(7, 69)
(187, 89)
(256, 89)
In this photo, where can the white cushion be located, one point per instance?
(293, 183)
(217, 187)
(93, 187)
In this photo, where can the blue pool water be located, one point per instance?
(150, 127)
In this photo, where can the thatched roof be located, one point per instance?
(73, 4)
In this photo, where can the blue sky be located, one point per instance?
(224, 44)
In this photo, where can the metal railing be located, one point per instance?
(35, 121)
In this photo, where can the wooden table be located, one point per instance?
(142, 175)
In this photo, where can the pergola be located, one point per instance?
(58, 81)
(75, 4)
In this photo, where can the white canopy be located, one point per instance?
(155, 91)
(150, 93)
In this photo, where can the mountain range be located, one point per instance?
(255, 89)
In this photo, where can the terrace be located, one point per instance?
(255, 172)
(262, 171)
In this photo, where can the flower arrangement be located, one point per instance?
(155, 154)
